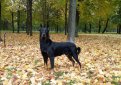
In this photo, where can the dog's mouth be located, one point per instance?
(43, 37)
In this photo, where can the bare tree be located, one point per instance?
(72, 21)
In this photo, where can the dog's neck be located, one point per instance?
(46, 41)
(44, 44)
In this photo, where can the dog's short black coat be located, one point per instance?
(50, 49)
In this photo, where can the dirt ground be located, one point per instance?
(21, 61)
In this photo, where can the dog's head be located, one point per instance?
(44, 33)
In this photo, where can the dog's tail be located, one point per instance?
(78, 49)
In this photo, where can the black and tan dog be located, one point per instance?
(50, 49)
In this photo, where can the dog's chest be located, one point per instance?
(44, 46)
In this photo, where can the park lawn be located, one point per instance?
(21, 61)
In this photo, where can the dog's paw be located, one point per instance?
(52, 71)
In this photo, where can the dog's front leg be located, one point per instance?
(51, 57)
(52, 64)
(45, 58)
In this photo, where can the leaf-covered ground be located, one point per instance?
(21, 61)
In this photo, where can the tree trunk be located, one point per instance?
(99, 26)
(77, 22)
(85, 29)
(12, 14)
(18, 21)
(45, 14)
(71, 22)
(5, 24)
(30, 13)
(90, 27)
(77, 19)
(0, 22)
(120, 29)
(106, 25)
(48, 18)
(66, 4)
(4, 39)
(57, 28)
(27, 21)
(29, 17)
(27, 28)
(57, 16)
(44, 11)
(120, 22)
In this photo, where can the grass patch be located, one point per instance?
(116, 80)
(58, 74)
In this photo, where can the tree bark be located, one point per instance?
(71, 21)
(106, 25)
(44, 10)
(77, 21)
(77, 18)
(5, 24)
(18, 21)
(99, 26)
(120, 29)
(117, 29)
(27, 27)
(66, 4)
(0, 22)
(90, 27)
(12, 14)
(29, 17)
(120, 22)
(85, 28)
(48, 17)
(57, 28)
(57, 16)
(30, 13)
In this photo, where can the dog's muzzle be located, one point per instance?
(43, 36)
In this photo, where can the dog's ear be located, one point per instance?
(40, 27)
(48, 29)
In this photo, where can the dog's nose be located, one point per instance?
(43, 35)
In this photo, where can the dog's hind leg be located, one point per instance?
(45, 60)
(75, 56)
(71, 59)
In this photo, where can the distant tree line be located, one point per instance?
(91, 15)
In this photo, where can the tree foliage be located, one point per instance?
(91, 11)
